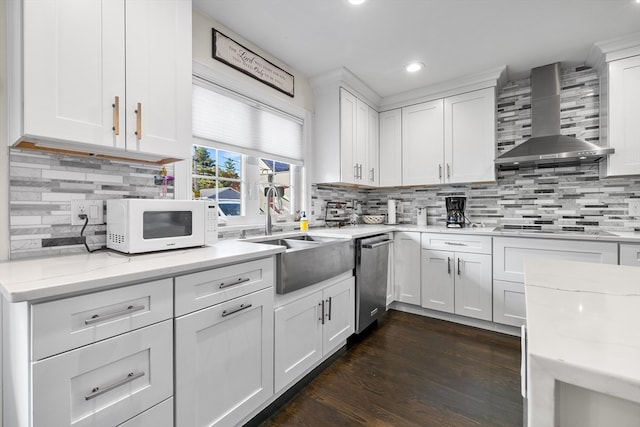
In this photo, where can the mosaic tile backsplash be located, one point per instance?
(42, 186)
(573, 197)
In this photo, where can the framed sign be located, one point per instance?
(242, 59)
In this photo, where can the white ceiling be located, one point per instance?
(454, 38)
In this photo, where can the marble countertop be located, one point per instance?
(41, 278)
(582, 322)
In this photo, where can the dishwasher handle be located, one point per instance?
(377, 244)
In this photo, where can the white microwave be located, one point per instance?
(148, 225)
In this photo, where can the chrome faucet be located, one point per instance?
(272, 190)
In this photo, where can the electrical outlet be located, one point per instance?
(634, 207)
(94, 209)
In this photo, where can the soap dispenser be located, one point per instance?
(304, 222)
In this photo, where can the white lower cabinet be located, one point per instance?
(407, 267)
(510, 255)
(106, 383)
(224, 361)
(630, 254)
(457, 283)
(309, 328)
(509, 305)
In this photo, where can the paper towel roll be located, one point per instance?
(391, 211)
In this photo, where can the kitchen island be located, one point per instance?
(583, 344)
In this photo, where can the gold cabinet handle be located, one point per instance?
(139, 121)
(116, 115)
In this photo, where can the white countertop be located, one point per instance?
(41, 278)
(34, 279)
(582, 329)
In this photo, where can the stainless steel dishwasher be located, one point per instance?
(372, 261)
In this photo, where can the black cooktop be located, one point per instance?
(563, 230)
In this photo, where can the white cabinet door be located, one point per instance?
(348, 137)
(373, 149)
(106, 383)
(470, 136)
(407, 267)
(298, 338)
(224, 361)
(339, 318)
(159, 76)
(362, 141)
(630, 254)
(437, 280)
(509, 305)
(390, 148)
(74, 68)
(473, 295)
(423, 143)
(624, 116)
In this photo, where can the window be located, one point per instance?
(217, 175)
(241, 146)
(227, 178)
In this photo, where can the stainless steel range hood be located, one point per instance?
(547, 145)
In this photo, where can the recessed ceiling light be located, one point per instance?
(356, 2)
(414, 66)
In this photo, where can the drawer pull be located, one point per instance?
(226, 313)
(96, 318)
(237, 282)
(97, 391)
(454, 244)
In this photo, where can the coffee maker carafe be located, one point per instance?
(455, 211)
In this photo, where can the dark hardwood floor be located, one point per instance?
(414, 371)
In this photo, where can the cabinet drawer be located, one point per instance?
(206, 288)
(509, 306)
(106, 383)
(160, 415)
(69, 323)
(457, 243)
(509, 254)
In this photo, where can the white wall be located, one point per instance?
(202, 49)
(4, 150)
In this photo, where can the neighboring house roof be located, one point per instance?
(224, 193)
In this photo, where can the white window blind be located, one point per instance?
(244, 125)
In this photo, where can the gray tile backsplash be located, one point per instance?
(42, 186)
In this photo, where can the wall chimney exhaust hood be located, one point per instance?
(547, 145)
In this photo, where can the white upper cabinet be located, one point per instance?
(390, 148)
(74, 70)
(422, 143)
(450, 140)
(373, 148)
(470, 136)
(358, 141)
(105, 76)
(624, 116)
(345, 148)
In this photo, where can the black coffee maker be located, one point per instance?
(455, 211)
